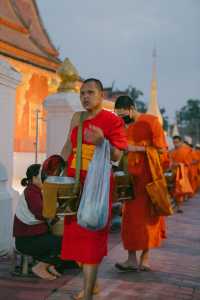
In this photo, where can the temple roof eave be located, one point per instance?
(17, 9)
(29, 58)
(53, 48)
(23, 35)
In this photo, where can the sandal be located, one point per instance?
(123, 268)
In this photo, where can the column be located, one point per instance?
(60, 108)
(9, 79)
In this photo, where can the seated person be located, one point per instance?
(31, 230)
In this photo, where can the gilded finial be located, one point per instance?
(69, 77)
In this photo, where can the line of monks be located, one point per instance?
(142, 139)
(185, 163)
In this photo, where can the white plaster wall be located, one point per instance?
(21, 161)
(60, 108)
(9, 79)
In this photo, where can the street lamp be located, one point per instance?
(36, 143)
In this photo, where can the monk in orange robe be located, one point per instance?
(181, 155)
(83, 245)
(194, 170)
(140, 230)
(197, 148)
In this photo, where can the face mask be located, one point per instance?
(127, 119)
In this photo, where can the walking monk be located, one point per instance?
(83, 245)
(197, 148)
(140, 230)
(193, 172)
(181, 159)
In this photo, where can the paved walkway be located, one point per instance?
(176, 272)
(176, 266)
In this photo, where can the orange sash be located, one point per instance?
(87, 155)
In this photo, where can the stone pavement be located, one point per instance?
(176, 266)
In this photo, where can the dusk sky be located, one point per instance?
(113, 41)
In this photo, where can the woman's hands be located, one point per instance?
(132, 148)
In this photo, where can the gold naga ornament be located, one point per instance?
(69, 77)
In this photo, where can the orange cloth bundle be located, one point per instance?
(182, 183)
(157, 189)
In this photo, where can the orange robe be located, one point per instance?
(80, 244)
(183, 155)
(198, 169)
(140, 230)
(194, 170)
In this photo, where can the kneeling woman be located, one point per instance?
(31, 230)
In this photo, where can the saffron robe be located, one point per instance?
(80, 244)
(183, 155)
(198, 168)
(140, 230)
(193, 171)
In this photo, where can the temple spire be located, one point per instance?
(153, 107)
(175, 130)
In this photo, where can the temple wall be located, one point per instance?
(36, 84)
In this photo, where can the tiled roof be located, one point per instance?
(22, 34)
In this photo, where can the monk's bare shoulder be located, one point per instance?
(75, 119)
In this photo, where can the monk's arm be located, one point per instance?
(132, 148)
(115, 153)
(67, 148)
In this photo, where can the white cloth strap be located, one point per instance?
(24, 214)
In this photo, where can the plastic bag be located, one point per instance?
(93, 211)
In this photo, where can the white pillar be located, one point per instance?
(60, 108)
(9, 79)
(6, 216)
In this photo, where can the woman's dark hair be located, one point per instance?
(33, 170)
(125, 102)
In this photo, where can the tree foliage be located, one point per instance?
(135, 95)
(188, 119)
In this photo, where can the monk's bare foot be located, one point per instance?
(80, 295)
(144, 261)
(52, 270)
(41, 271)
(145, 267)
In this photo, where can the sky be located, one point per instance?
(113, 40)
